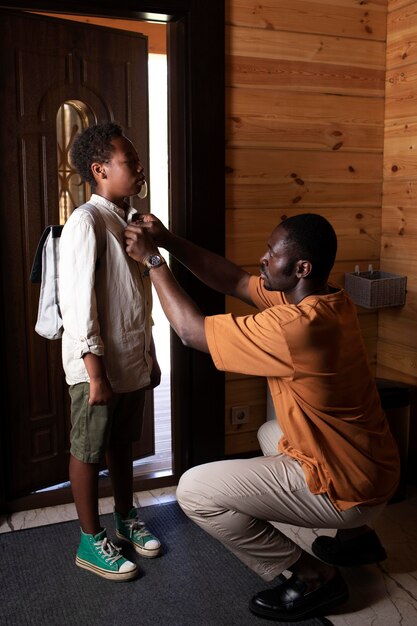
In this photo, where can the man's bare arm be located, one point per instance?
(181, 311)
(212, 269)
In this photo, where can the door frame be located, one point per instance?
(196, 59)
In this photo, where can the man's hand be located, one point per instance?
(154, 227)
(139, 245)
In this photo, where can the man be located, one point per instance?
(335, 463)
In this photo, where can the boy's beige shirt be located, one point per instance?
(106, 312)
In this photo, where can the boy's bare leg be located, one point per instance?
(119, 460)
(84, 485)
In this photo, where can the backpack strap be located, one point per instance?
(36, 271)
(99, 227)
(55, 231)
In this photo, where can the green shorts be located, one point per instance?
(94, 427)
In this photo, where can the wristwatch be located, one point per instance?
(154, 260)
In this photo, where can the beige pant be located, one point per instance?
(235, 501)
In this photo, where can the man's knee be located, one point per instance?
(268, 436)
(191, 487)
(183, 489)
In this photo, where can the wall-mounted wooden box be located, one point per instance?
(377, 289)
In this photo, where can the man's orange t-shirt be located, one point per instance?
(324, 394)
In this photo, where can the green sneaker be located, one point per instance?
(134, 531)
(100, 556)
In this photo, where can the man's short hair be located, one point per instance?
(312, 238)
(93, 145)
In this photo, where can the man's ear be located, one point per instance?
(99, 171)
(303, 269)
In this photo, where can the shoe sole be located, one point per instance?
(149, 554)
(105, 573)
(292, 616)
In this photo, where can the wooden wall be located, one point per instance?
(305, 117)
(397, 329)
(397, 333)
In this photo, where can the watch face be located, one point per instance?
(155, 259)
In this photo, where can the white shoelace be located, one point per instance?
(109, 550)
(136, 526)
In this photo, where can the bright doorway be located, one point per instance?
(160, 464)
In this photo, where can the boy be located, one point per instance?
(107, 348)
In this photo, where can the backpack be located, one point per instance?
(45, 271)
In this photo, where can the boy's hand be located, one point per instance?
(100, 391)
(154, 227)
(139, 245)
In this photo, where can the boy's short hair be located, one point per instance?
(93, 145)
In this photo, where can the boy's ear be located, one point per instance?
(99, 171)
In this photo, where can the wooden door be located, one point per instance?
(45, 63)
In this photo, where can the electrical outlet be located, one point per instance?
(240, 414)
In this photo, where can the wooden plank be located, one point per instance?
(403, 267)
(398, 358)
(245, 166)
(328, 17)
(400, 156)
(401, 44)
(394, 247)
(299, 76)
(277, 178)
(400, 193)
(307, 48)
(262, 118)
(241, 443)
(248, 229)
(401, 93)
(312, 196)
(399, 221)
(401, 129)
(250, 390)
(396, 326)
(394, 5)
(383, 371)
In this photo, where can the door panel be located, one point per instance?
(43, 63)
